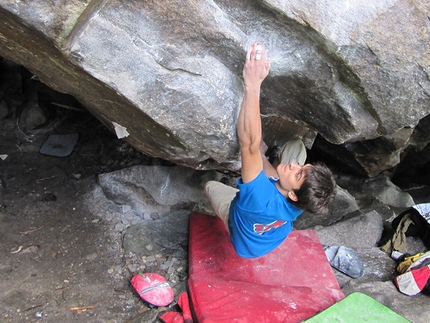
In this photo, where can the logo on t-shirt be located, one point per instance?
(261, 228)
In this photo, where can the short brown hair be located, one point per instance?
(317, 191)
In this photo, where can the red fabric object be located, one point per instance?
(172, 317)
(176, 317)
(153, 288)
(290, 284)
(184, 303)
(413, 282)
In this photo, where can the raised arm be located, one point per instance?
(249, 123)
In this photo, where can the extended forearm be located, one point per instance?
(249, 123)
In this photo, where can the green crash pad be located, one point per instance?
(357, 308)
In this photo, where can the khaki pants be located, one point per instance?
(221, 195)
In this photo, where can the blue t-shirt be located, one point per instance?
(260, 217)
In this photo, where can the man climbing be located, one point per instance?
(260, 215)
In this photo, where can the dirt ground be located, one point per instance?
(60, 260)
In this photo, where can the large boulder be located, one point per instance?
(351, 79)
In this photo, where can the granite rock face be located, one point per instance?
(350, 78)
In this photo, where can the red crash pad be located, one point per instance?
(290, 284)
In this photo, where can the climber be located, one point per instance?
(260, 214)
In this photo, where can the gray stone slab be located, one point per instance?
(59, 145)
